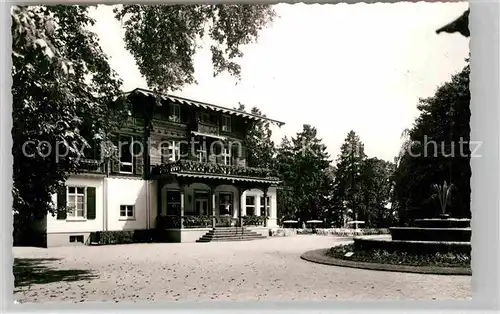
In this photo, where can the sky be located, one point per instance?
(340, 67)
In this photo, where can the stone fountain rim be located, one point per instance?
(430, 228)
(442, 219)
(411, 241)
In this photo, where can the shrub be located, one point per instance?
(121, 237)
(201, 221)
(254, 220)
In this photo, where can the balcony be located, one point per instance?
(92, 166)
(208, 128)
(208, 169)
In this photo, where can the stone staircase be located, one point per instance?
(222, 234)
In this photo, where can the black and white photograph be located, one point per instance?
(241, 152)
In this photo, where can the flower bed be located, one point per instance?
(282, 232)
(340, 232)
(400, 258)
(345, 232)
(201, 221)
(254, 220)
(192, 166)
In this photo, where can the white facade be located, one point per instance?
(129, 203)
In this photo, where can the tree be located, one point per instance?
(259, 146)
(63, 88)
(163, 38)
(305, 168)
(438, 151)
(348, 180)
(376, 179)
(284, 165)
(61, 83)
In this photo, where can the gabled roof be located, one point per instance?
(460, 25)
(199, 104)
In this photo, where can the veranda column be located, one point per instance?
(258, 212)
(212, 204)
(159, 188)
(266, 212)
(182, 204)
(240, 218)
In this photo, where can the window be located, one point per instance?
(250, 205)
(170, 151)
(175, 113)
(76, 239)
(226, 156)
(201, 203)
(202, 152)
(127, 212)
(173, 202)
(226, 123)
(262, 211)
(126, 160)
(203, 117)
(225, 203)
(76, 202)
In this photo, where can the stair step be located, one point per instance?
(228, 234)
(234, 236)
(228, 240)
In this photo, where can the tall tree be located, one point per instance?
(438, 151)
(377, 185)
(309, 175)
(259, 145)
(287, 207)
(348, 178)
(164, 38)
(63, 84)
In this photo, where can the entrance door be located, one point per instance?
(201, 206)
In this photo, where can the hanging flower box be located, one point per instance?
(193, 166)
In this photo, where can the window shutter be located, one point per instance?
(184, 149)
(115, 162)
(90, 203)
(138, 159)
(61, 203)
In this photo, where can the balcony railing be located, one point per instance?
(208, 128)
(191, 166)
(92, 165)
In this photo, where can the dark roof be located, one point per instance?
(460, 25)
(199, 104)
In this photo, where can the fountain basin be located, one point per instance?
(442, 223)
(431, 234)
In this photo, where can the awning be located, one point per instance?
(209, 135)
(194, 103)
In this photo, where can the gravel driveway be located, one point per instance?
(269, 269)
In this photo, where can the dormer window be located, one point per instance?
(226, 123)
(175, 113)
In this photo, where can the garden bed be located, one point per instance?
(322, 256)
(400, 258)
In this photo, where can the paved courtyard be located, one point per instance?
(269, 269)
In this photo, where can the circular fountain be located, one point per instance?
(434, 235)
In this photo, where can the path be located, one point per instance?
(269, 269)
